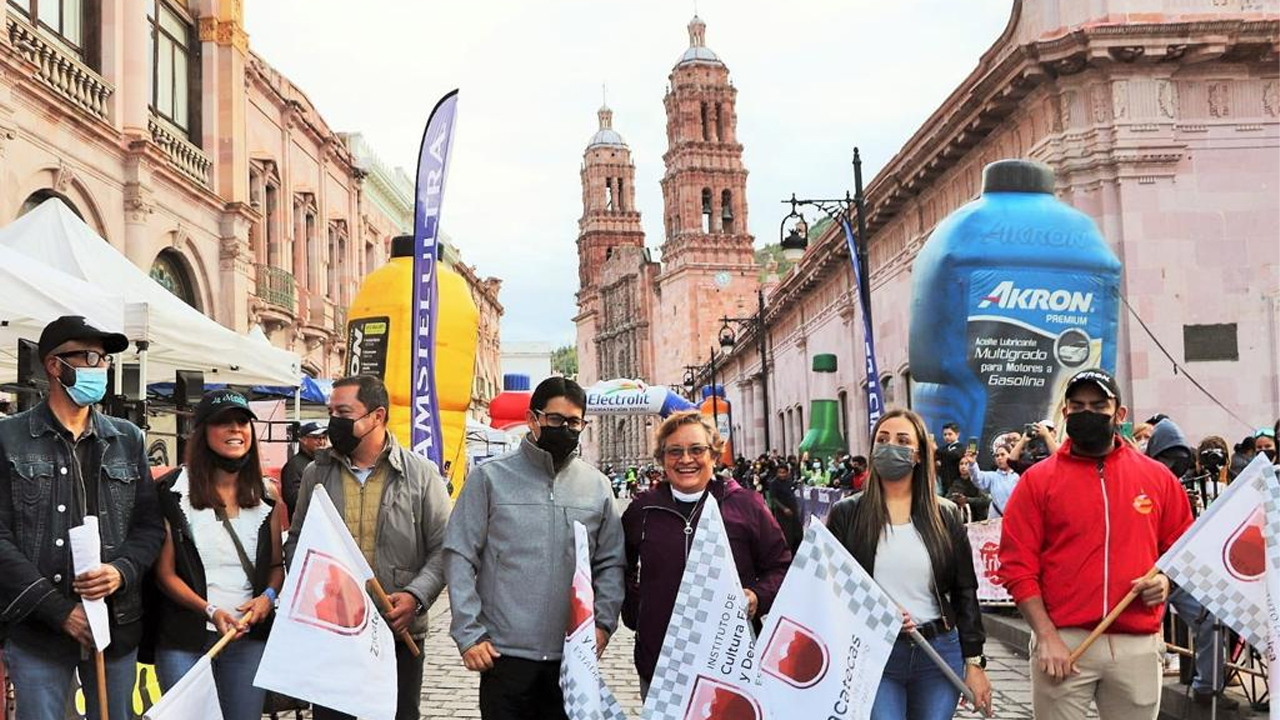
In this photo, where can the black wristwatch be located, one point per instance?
(977, 660)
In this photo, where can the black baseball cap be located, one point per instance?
(311, 427)
(218, 402)
(1098, 377)
(75, 327)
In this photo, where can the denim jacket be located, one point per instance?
(37, 508)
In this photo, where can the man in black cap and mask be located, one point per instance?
(312, 438)
(510, 557)
(395, 505)
(61, 462)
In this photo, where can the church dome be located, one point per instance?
(606, 136)
(698, 50)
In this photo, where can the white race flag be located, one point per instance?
(1271, 535)
(707, 667)
(828, 635)
(86, 555)
(586, 697)
(328, 644)
(984, 541)
(195, 697)
(1221, 559)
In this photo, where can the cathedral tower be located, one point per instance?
(708, 266)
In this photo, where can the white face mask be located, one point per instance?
(687, 497)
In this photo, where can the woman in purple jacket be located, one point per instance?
(659, 526)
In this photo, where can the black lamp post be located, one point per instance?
(728, 339)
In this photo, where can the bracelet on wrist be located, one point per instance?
(271, 595)
(210, 610)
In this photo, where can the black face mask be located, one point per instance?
(1271, 454)
(1090, 432)
(1177, 464)
(231, 465)
(560, 442)
(342, 434)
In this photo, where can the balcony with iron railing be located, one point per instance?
(276, 288)
(183, 155)
(58, 68)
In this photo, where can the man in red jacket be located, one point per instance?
(1082, 529)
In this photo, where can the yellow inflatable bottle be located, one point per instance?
(380, 342)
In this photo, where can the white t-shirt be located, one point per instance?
(227, 585)
(904, 571)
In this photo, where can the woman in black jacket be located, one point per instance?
(221, 557)
(916, 547)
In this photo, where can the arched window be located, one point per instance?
(720, 122)
(170, 270)
(889, 389)
(706, 123)
(726, 211)
(706, 210)
(608, 194)
(38, 197)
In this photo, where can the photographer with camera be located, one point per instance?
(1037, 443)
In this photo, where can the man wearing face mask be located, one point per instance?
(60, 462)
(510, 557)
(395, 505)
(1082, 529)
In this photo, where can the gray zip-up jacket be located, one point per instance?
(509, 552)
(412, 513)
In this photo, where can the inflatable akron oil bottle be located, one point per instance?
(717, 406)
(1012, 294)
(823, 439)
(380, 342)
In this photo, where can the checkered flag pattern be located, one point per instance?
(709, 567)
(586, 696)
(864, 598)
(580, 702)
(1271, 535)
(1198, 562)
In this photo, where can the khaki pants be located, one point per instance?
(1120, 673)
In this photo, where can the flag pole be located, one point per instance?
(100, 665)
(384, 606)
(924, 645)
(1111, 616)
(227, 637)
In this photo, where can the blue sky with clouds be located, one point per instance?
(814, 78)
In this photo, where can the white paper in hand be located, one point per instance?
(86, 555)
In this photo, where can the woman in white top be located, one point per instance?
(221, 557)
(915, 546)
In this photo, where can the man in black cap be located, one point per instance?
(60, 462)
(312, 438)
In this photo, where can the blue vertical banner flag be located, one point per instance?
(875, 397)
(433, 166)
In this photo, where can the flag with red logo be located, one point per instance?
(706, 670)
(828, 635)
(329, 645)
(1271, 535)
(1221, 560)
(984, 541)
(586, 697)
(194, 697)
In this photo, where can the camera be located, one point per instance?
(1030, 430)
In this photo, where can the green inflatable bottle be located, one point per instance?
(824, 440)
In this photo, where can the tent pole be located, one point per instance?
(297, 404)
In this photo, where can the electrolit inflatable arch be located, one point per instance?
(633, 397)
(380, 340)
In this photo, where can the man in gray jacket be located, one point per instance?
(395, 505)
(509, 558)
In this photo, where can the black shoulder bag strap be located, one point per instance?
(221, 513)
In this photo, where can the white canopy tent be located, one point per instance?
(179, 336)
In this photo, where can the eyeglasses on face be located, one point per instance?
(557, 420)
(697, 452)
(90, 358)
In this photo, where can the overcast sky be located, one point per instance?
(814, 78)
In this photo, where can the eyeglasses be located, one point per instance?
(697, 452)
(92, 358)
(557, 420)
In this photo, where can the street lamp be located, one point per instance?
(797, 239)
(728, 339)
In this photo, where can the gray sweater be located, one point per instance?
(509, 552)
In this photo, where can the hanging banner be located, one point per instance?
(984, 542)
(328, 644)
(707, 667)
(586, 697)
(875, 396)
(1221, 560)
(433, 166)
(828, 636)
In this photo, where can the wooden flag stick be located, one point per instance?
(384, 606)
(227, 637)
(1111, 616)
(100, 664)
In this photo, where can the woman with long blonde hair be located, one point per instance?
(917, 548)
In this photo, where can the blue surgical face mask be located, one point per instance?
(88, 387)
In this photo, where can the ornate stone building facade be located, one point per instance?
(707, 267)
(1161, 119)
